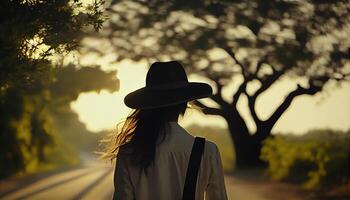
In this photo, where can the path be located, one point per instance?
(242, 189)
(96, 182)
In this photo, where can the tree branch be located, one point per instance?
(241, 89)
(208, 110)
(251, 105)
(258, 67)
(233, 56)
(268, 81)
(215, 77)
(271, 121)
(217, 97)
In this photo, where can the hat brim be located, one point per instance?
(148, 98)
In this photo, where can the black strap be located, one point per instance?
(189, 191)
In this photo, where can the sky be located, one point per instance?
(329, 109)
(99, 111)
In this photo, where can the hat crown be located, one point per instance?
(165, 73)
(166, 85)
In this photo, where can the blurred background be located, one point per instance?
(280, 70)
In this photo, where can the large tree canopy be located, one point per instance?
(258, 41)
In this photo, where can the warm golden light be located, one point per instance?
(104, 110)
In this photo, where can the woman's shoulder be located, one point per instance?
(210, 147)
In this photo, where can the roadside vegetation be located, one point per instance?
(317, 159)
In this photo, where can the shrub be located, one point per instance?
(316, 159)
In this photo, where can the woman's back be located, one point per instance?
(165, 178)
(151, 170)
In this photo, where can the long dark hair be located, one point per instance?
(142, 130)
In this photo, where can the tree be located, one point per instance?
(39, 127)
(34, 90)
(32, 31)
(257, 41)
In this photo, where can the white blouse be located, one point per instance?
(165, 178)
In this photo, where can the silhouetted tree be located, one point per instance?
(256, 41)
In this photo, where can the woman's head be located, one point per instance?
(163, 99)
(166, 84)
(142, 130)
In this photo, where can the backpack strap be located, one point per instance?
(189, 191)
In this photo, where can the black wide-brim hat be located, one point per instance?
(166, 85)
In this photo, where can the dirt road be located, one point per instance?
(96, 182)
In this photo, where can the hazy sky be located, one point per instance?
(331, 109)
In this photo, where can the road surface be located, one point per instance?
(96, 183)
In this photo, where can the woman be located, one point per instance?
(153, 151)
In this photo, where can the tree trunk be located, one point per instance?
(247, 147)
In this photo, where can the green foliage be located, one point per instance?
(91, 78)
(221, 138)
(317, 159)
(26, 133)
(39, 131)
(31, 31)
(34, 92)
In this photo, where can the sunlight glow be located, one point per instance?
(104, 110)
(327, 110)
